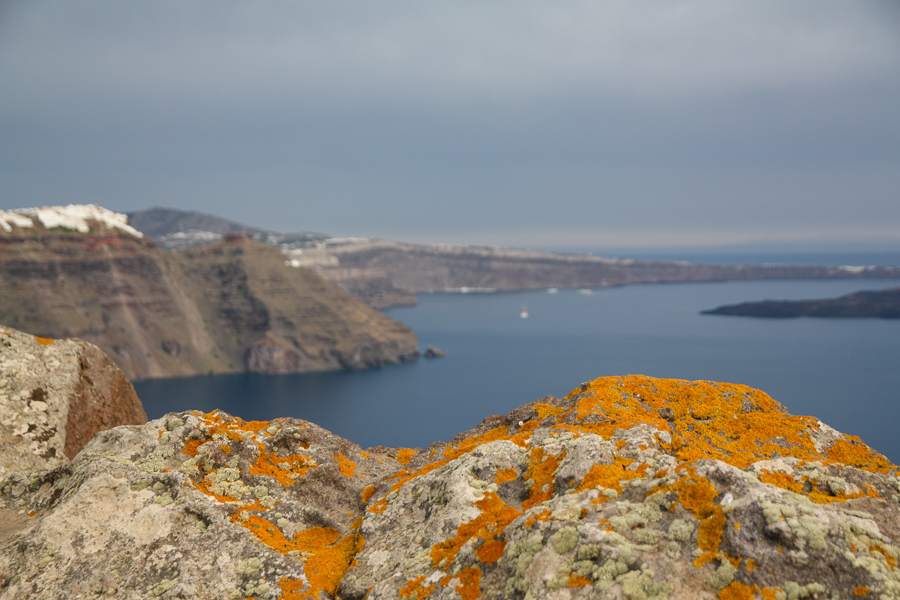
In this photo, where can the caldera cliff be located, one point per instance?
(629, 487)
(229, 307)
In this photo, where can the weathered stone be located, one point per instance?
(603, 494)
(55, 396)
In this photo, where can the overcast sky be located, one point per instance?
(553, 124)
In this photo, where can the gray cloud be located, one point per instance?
(693, 121)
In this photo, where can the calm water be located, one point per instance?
(846, 372)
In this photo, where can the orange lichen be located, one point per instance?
(415, 589)
(43, 341)
(861, 590)
(495, 516)
(328, 558)
(547, 410)
(608, 476)
(346, 466)
(576, 580)
(367, 494)
(852, 451)
(738, 591)
(770, 593)
(888, 557)
(782, 480)
(404, 455)
(704, 424)
(711, 530)
(541, 470)
(469, 580)
(751, 565)
(272, 465)
(535, 517)
(190, 448)
(504, 475)
(697, 495)
(290, 589)
(491, 551)
(267, 533)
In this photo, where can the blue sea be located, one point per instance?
(846, 372)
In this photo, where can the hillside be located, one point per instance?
(229, 307)
(882, 304)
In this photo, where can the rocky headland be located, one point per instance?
(880, 304)
(233, 306)
(384, 273)
(628, 488)
(418, 268)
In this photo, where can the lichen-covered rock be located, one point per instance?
(641, 489)
(628, 488)
(191, 506)
(55, 396)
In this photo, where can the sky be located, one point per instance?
(628, 124)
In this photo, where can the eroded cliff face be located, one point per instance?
(630, 487)
(229, 307)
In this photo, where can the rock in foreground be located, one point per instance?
(630, 487)
(55, 396)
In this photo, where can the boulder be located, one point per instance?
(433, 352)
(55, 396)
(627, 488)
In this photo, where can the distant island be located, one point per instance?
(881, 304)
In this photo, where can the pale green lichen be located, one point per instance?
(795, 591)
(522, 552)
(189, 467)
(141, 484)
(639, 585)
(589, 551)
(47, 558)
(162, 587)
(565, 540)
(723, 575)
(163, 499)
(648, 536)
(227, 482)
(680, 531)
(173, 424)
(248, 567)
(154, 462)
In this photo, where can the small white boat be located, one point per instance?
(524, 313)
(552, 290)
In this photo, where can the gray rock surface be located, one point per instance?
(628, 488)
(55, 396)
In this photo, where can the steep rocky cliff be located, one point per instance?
(630, 487)
(232, 306)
